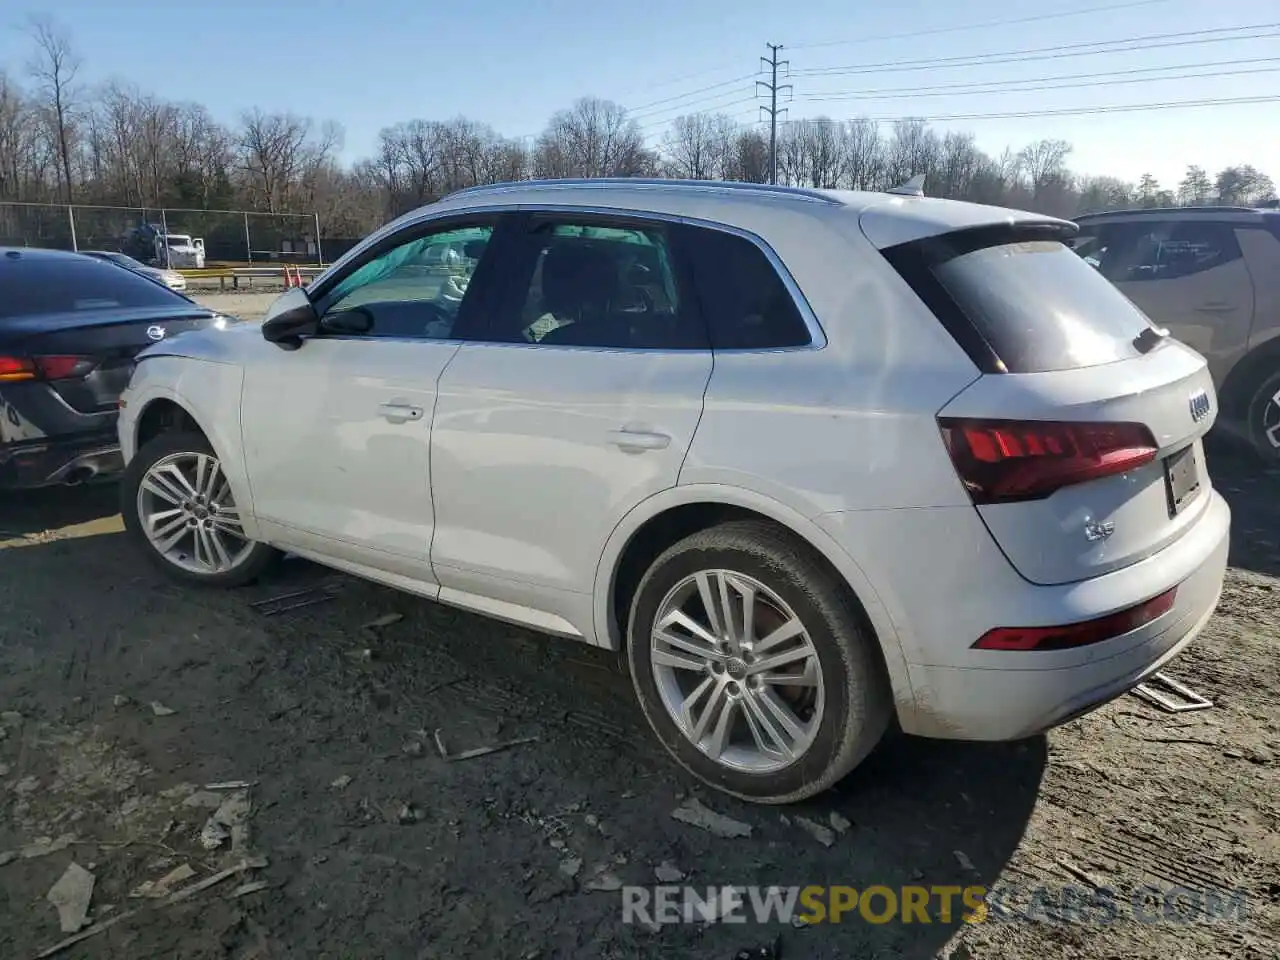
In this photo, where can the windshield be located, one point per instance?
(175, 241)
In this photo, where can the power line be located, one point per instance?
(773, 87)
(1038, 18)
(1050, 53)
(645, 106)
(649, 129)
(1067, 112)
(1092, 75)
(942, 91)
(656, 116)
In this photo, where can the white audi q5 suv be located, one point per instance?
(811, 459)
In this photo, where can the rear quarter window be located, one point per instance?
(30, 286)
(1041, 307)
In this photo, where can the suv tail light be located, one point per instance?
(1073, 635)
(1004, 461)
(44, 368)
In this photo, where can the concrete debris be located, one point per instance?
(7, 857)
(214, 834)
(120, 700)
(70, 896)
(4, 733)
(668, 872)
(386, 620)
(156, 889)
(695, 814)
(963, 859)
(839, 822)
(247, 888)
(816, 830)
(160, 710)
(604, 881)
(411, 748)
(342, 782)
(4, 769)
(205, 799)
(230, 785)
(10, 718)
(571, 866)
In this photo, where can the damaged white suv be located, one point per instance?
(812, 459)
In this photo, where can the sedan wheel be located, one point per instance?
(752, 665)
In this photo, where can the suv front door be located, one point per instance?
(337, 432)
(578, 401)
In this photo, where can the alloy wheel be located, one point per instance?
(187, 511)
(737, 671)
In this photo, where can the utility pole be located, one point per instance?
(773, 63)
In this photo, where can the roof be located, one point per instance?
(886, 218)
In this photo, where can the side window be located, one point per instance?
(745, 302)
(415, 289)
(587, 284)
(1169, 250)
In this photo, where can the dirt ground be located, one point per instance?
(245, 305)
(124, 696)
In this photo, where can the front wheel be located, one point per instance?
(178, 506)
(751, 665)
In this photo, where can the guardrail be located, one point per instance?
(248, 274)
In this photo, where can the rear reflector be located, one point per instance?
(1003, 461)
(1074, 635)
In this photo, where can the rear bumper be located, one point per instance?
(45, 463)
(960, 589)
(1008, 704)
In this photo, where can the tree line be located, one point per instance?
(116, 144)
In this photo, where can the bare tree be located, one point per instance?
(699, 147)
(277, 150)
(54, 68)
(593, 138)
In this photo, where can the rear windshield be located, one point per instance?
(30, 286)
(1042, 307)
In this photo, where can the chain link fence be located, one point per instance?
(167, 236)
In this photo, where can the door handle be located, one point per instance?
(1217, 307)
(637, 441)
(397, 412)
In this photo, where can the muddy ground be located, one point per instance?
(125, 695)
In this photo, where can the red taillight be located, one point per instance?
(16, 368)
(44, 368)
(1073, 635)
(63, 368)
(1000, 461)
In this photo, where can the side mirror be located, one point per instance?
(287, 326)
(353, 322)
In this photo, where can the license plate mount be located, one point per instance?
(1181, 479)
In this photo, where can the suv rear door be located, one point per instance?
(1186, 273)
(1080, 443)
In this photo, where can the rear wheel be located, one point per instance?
(751, 665)
(1262, 419)
(178, 505)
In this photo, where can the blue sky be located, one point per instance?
(512, 64)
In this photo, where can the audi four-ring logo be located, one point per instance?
(1199, 405)
(155, 332)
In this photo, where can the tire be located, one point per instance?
(853, 708)
(1262, 419)
(250, 559)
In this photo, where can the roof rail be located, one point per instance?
(578, 182)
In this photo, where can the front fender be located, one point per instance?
(882, 622)
(209, 393)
